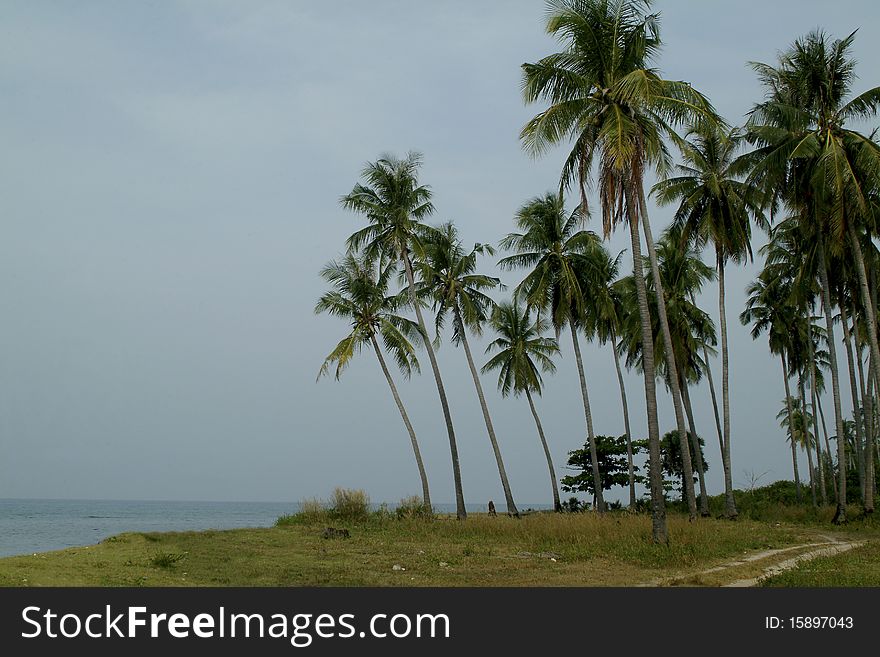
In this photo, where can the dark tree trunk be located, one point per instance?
(588, 416)
(505, 483)
(426, 495)
(794, 464)
(698, 452)
(557, 505)
(629, 450)
(840, 513)
(672, 368)
(658, 502)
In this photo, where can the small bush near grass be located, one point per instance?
(413, 507)
(350, 504)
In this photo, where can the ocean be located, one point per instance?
(28, 526)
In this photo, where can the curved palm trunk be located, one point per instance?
(797, 479)
(426, 495)
(658, 502)
(505, 484)
(460, 510)
(557, 505)
(629, 450)
(730, 503)
(854, 393)
(865, 293)
(840, 513)
(869, 447)
(827, 445)
(807, 440)
(588, 416)
(714, 401)
(698, 453)
(813, 395)
(687, 468)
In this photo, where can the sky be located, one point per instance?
(170, 175)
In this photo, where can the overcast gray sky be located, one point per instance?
(169, 184)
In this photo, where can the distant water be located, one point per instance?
(28, 526)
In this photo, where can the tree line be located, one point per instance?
(798, 168)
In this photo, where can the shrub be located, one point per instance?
(166, 559)
(349, 504)
(413, 507)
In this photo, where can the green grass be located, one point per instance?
(541, 549)
(857, 567)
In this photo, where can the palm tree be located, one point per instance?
(796, 421)
(395, 205)
(522, 355)
(606, 99)
(555, 250)
(825, 172)
(714, 205)
(769, 309)
(683, 275)
(360, 296)
(602, 320)
(447, 275)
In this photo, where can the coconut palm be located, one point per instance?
(447, 274)
(769, 309)
(714, 205)
(523, 353)
(683, 275)
(605, 98)
(808, 158)
(602, 320)
(395, 205)
(360, 296)
(555, 249)
(797, 421)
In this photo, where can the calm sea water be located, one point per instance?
(28, 526)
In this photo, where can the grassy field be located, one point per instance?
(858, 567)
(542, 549)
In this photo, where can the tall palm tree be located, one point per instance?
(447, 274)
(360, 297)
(555, 249)
(395, 205)
(618, 112)
(523, 353)
(769, 309)
(797, 420)
(683, 275)
(809, 158)
(603, 317)
(714, 205)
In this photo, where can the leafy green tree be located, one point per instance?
(612, 453)
(360, 296)
(395, 206)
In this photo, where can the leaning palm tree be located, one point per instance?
(395, 205)
(447, 274)
(714, 205)
(603, 317)
(823, 170)
(769, 309)
(797, 421)
(360, 297)
(555, 249)
(523, 353)
(606, 99)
